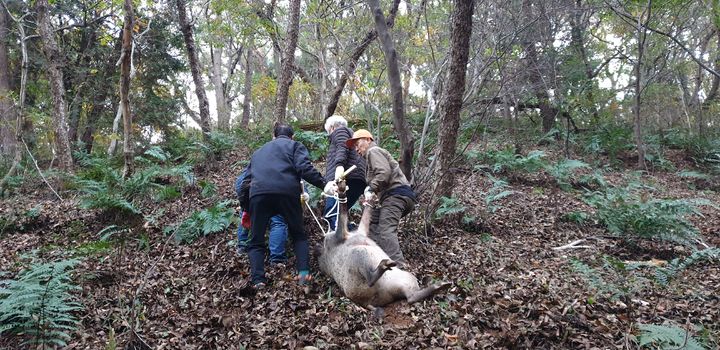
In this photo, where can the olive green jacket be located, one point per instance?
(383, 171)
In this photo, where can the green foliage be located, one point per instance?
(102, 186)
(631, 212)
(594, 180)
(506, 161)
(666, 337)
(614, 278)
(448, 207)
(316, 143)
(497, 191)
(207, 188)
(612, 140)
(677, 265)
(38, 304)
(563, 170)
(577, 217)
(204, 222)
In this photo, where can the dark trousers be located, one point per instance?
(384, 224)
(262, 208)
(356, 188)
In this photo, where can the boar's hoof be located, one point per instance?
(384, 265)
(428, 292)
(378, 314)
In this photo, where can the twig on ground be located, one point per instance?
(40, 171)
(574, 245)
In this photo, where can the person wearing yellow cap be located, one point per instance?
(388, 184)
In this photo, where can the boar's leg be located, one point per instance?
(427, 292)
(373, 275)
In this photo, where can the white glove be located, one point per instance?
(369, 194)
(304, 197)
(331, 188)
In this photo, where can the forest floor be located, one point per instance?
(511, 289)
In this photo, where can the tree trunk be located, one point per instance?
(534, 70)
(288, 61)
(247, 91)
(402, 128)
(322, 80)
(461, 30)
(7, 117)
(577, 38)
(641, 36)
(221, 101)
(126, 56)
(57, 87)
(354, 58)
(187, 32)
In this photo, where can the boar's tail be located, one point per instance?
(428, 292)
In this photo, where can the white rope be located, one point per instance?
(315, 217)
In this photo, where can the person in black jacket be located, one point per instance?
(272, 187)
(340, 155)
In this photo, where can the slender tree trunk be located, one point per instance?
(322, 81)
(20, 113)
(641, 36)
(461, 30)
(126, 56)
(577, 38)
(534, 70)
(57, 87)
(402, 128)
(354, 58)
(221, 101)
(288, 61)
(187, 32)
(247, 90)
(7, 117)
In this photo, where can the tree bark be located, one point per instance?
(577, 39)
(288, 61)
(247, 91)
(641, 36)
(187, 32)
(7, 117)
(461, 30)
(354, 58)
(534, 69)
(221, 100)
(402, 128)
(126, 56)
(57, 87)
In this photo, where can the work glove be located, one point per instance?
(245, 221)
(370, 196)
(304, 198)
(331, 188)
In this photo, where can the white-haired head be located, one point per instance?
(334, 122)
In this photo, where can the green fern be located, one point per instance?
(204, 222)
(632, 212)
(563, 170)
(666, 337)
(497, 192)
(664, 274)
(39, 304)
(448, 206)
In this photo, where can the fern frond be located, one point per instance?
(667, 337)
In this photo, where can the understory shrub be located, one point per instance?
(204, 222)
(631, 212)
(39, 305)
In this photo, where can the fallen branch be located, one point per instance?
(573, 245)
(40, 171)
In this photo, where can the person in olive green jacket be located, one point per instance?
(388, 184)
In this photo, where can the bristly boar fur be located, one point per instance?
(364, 272)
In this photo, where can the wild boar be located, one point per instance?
(364, 272)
